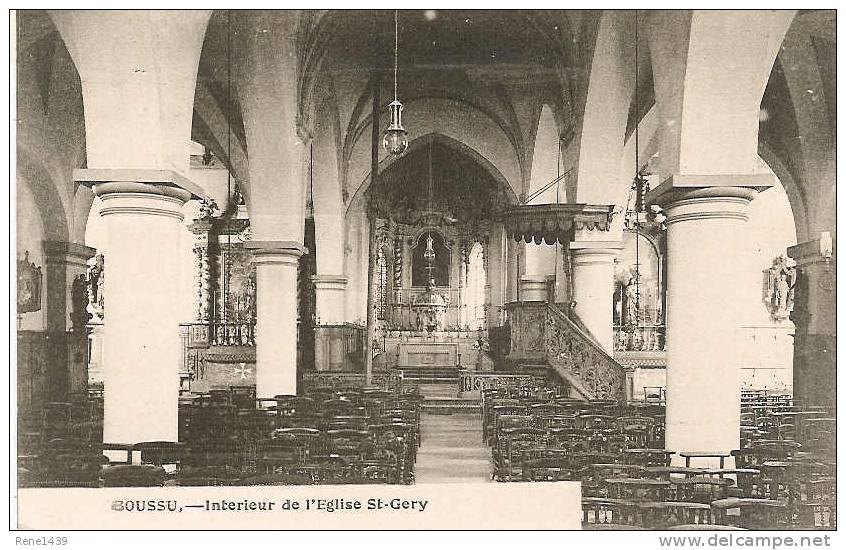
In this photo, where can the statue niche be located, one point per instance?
(420, 272)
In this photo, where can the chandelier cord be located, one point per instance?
(639, 198)
(396, 50)
(228, 260)
(430, 190)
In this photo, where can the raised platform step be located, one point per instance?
(443, 405)
(431, 390)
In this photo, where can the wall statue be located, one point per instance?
(29, 285)
(779, 284)
(79, 315)
(96, 285)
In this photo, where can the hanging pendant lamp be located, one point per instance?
(395, 140)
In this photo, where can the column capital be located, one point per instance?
(681, 187)
(67, 253)
(329, 282)
(200, 226)
(816, 251)
(597, 246)
(595, 252)
(275, 252)
(129, 180)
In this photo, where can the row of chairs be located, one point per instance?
(616, 452)
(228, 436)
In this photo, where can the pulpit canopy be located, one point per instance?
(551, 223)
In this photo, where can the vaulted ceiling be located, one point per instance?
(500, 66)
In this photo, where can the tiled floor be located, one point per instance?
(452, 450)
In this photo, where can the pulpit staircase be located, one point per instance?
(544, 335)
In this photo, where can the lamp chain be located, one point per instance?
(396, 50)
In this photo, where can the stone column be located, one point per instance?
(329, 296)
(815, 315)
(593, 287)
(462, 286)
(705, 308)
(141, 346)
(203, 281)
(65, 317)
(276, 316)
(64, 262)
(512, 269)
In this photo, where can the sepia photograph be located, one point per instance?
(433, 269)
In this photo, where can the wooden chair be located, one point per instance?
(639, 489)
(554, 422)
(590, 422)
(546, 469)
(510, 443)
(750, 513)
(689, 456)
(639, 431)
(348, 444)
(593, 476)
(665, 514)
(243, 397)
(277, 478)
(816, 515)
(275, 453)
(607, 511)
(161, 453)
(374, 472)
(647, 457)
(210, 476)
(701, 489)
(133, 475)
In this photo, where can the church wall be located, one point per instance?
(50, 363)
(29, 234)
(766, 343)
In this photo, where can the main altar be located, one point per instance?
(438, 246)
(433, 310)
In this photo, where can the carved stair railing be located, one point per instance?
(542, 333)
(576, 356)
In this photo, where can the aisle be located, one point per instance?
(452, 450)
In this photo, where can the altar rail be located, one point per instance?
(219, 334)
(541, 333)
(472, 382)
(336, 380)
(641, 338)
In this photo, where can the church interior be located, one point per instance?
(433, 246)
